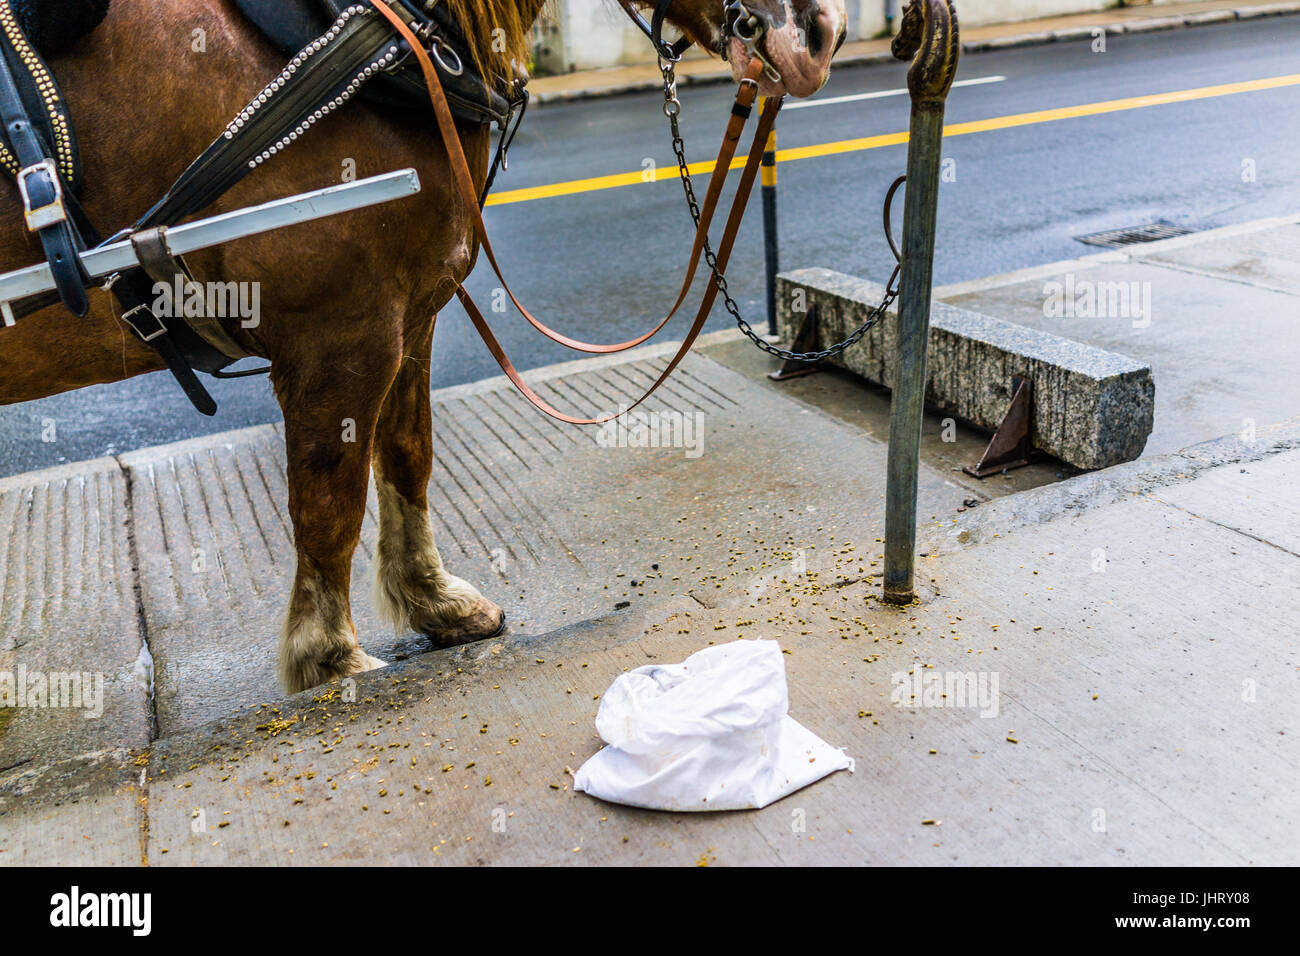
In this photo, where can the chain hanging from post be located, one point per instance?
(673, 109)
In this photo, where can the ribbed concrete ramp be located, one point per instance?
(68, 617)
(215, 558)
(190, 545)
(1113, 654)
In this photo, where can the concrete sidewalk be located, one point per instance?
(698, 68)
(1138, 621)
(1136, 625)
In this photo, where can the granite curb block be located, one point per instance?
(1092, 408)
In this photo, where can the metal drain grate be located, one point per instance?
(1151, 232)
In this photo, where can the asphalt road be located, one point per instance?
(602, 264)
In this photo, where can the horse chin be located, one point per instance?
(801, 75)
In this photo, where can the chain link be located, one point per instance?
(672, 109)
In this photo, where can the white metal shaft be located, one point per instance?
(206, 233)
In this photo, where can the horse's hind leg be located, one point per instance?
(412, 588)
(331, 398)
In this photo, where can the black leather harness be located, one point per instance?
(344, 50)
(292, 24)
(40, 152)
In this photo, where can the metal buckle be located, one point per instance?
(53, 212)
(771, 72)
(743, 18)
(749, 29)
(672, 105)
(129, 319)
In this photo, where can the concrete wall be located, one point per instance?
(985, 12)
(592, 34)
(597, 33)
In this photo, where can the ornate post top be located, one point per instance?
(929, 34)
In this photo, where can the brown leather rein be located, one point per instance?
(740, 112)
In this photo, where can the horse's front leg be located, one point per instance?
(331, 398)
(412, 589)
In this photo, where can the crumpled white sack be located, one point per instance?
(710, 733)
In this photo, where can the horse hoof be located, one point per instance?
(361, 662)
(484, 621)
(305, 673)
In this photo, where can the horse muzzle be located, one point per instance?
(794, 47)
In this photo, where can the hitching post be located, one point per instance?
(929, 30)
(770, 246)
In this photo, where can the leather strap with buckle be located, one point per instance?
(745, 96)
(42, 193)
(41, 190)
(145, 323)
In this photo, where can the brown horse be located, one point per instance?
(347, 323)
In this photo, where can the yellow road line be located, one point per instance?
(894, 139)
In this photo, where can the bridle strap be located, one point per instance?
(741, 109)
(766, 121)
(745, 96)
(655, 29)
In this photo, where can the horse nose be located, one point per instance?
(817, 24)
(822, 26)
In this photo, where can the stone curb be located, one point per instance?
(1092, 408)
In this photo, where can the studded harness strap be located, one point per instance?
(41, 155)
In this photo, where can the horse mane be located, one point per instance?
(497, 31)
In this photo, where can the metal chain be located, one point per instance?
(672, 109)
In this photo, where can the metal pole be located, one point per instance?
(770, 242)
(929, 31)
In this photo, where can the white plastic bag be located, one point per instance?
(711, 733)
